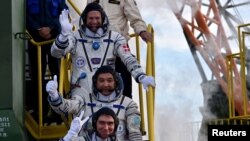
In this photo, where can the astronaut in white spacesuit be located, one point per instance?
(93, 46)
(106, 92)
(123, 14)
(104, 122)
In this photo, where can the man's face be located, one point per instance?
(94, 20)
(105, 83)
(105, 126)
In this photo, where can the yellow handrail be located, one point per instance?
(74, 7)
(39, 130)
(39, 63)
(150, 70)
(243, 64)
(242, 57)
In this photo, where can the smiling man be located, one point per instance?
(106, 92)
(94, 45)
(104, 122)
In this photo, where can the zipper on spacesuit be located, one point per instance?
(105, 40)
(91, 104)
(83, 45)
(119, 106)
(85, 52)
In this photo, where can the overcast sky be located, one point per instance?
(178, 92)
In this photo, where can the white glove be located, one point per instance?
(75, 127)
(146, 81)
(51, 88)
(65, 24)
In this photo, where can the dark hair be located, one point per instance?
(93, 6)
(105, 111)
(108, 69)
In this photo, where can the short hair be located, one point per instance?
(93, 6)
(105, 111)
(116, 76)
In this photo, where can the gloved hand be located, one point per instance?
(146, 81)
(65, 24)
(51, 88)
(75, 126)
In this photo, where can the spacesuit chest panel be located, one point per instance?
(116, 106)
(88, 55)
(93, 53)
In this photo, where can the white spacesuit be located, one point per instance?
(125, 108)
(121, 15)
(91, 50)
(104, 129)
